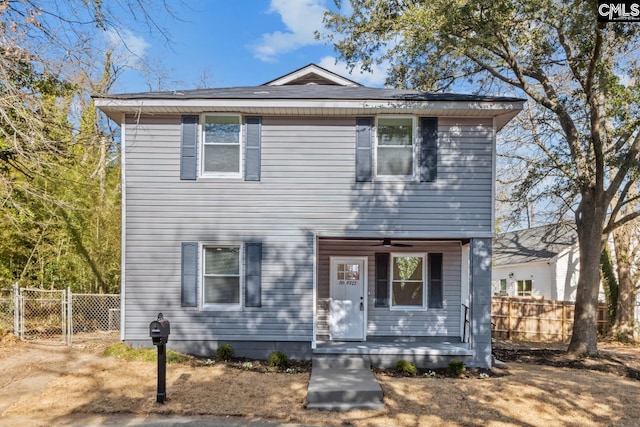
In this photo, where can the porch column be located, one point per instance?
(480, 316)
(314, 330)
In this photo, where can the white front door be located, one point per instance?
(348, 301)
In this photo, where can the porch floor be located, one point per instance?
(427, 347)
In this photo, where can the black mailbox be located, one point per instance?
(159, 330)
(159, 333)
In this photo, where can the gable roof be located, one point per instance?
(538, 244)
(311, 74)
(311, 90)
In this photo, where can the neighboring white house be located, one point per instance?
(540, 262)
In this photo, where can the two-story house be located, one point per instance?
(310, 214)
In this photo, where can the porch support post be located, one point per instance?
(315, 289)
(480, 328)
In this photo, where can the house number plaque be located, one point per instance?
(347, 282)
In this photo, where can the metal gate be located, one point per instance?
(42, 315)
(60, 315)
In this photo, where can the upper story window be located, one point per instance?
(395, 153)
(222, 153)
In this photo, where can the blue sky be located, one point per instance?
(224, 43)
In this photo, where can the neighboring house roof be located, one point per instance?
(311, 90)
(536, 244)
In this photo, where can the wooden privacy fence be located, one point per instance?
(537, 319)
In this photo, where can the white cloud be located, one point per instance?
(129, 49)
(373, 79)
(301, 18)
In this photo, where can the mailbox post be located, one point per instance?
(159, 333)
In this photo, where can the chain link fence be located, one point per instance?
(59, 315)
(7, 312)
(42, 315)
(94, 316)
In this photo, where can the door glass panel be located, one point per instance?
(353, 272)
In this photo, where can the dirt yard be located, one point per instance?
(55, 385)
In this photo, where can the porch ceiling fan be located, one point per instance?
(386, 242)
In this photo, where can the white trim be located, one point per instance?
(464, 287)
(425, 282)
(525, 264)
(517, 291)
(315, 289)
(365, 288)
(494, 159)
(202, 143)
(396, 235)
(123, 224)
(414, 147)
(312, 69)
(241, 275)
(503, 111)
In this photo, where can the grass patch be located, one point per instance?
(126, 352)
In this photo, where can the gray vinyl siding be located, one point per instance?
(383, 321)
(481, 302)
(307, 184)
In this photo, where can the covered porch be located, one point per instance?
(359, 295)
(430, 330)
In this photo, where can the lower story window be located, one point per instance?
(525, 287)
(408, 281)
(221, 275)
(503, 287)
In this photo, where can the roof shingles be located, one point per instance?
(312, 92)
(536, 244)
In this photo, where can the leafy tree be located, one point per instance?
(581, 80)
(59, 170)
(61, 206)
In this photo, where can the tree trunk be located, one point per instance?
(624, 324)
(610, 284)
(590, 218)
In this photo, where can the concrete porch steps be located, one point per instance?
(343, 383)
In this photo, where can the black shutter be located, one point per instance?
(252, 149)
(382, 280)
(253, 274)
(189, 261)
(435, 280)
(428, 149)
(364, 142)
(189, 148)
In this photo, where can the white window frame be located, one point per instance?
(203, 144)
(504, 282)
(524, 293)
(414, 145)
(425, 281)
(222, 307)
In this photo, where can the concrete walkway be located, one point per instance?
(342, 383)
